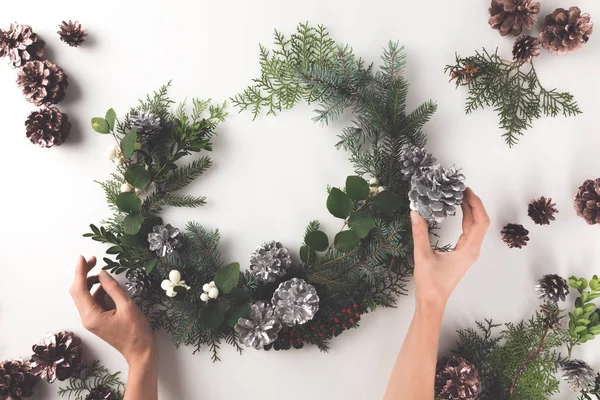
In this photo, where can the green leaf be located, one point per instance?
(239, 295)
(357, 188)
(213, 316)
(593, 296)
(307, 255)
(583, 283)
(588, 308)
(584, 297)
(594, 283)
(128, 144)
(114, 250)
(595, 318)
(578, 302)
(179, 289)
(131, 241)
(95, 229)
(580, 329)
(346, 241)
(595, 330)
(317, 240)
(361, 223)
(111, 117)
(150, 264)
(237, 312)
(128, 202)
(387, 202)
(578, 311)
(339, 203)
(138, 176)
(100, 125)
(583, 322)
(585, 338)
(133, 223)
(227, 277)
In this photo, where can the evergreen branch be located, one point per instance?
(186, 174)
(179, 200)
(534, 354)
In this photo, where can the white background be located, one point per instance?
(270, 175)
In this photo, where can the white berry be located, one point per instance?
(213, 293)
(126, 187)
(171, 292)
(380, 189)
(206, 287)
(204, 297)
(374, 182)
(166, 284)
(174, 276)
(112, 152)
(212, 284)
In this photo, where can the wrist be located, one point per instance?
(432, 307)
(143, 359)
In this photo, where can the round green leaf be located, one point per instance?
(129, 203)
(307, 255)
(138, 176)
(133, 223)
(213, 316)
(111, 117)
(387, 202)
(227, 277)
(346, 241)
(339, 203)
(150, 264)
(317, 240)
(128, 144)
(361, 223)
(357, 188)
(100, 125)
(594, 283)
(237, 312)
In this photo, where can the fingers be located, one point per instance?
(112, 288)
(79, 289)
(475, 232)
(101, 298)
(467, 221)
(420, 235)
(480, 216)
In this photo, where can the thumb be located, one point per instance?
(420, 232)
(113, 289)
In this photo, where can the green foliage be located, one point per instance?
(138, 176)
(584, 320)
(87, 377)
(387, 202)
(339, 203)
(317, 240)
(357, 188)
(100, 125)
(512, 89)
(361, 224)
(128, 144)
(227, 277)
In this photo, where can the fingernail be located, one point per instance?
(104, 276)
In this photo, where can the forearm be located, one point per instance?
(414, 372)
(142, 382)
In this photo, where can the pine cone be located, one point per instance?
(147, 125)
(57, 356)
(138, 282)
(414, 160)
(565, 31)
(270, 261)
(101, 393)
(72, 33)
(47, 127)
(515, 235)
(511, 16)
(587, 201)
(542, 211)
(578, 375)
(436, 192)
(552, 288)
(456, 378)
(525, 48)
(16, 380)
(42, 82)
(20, 44)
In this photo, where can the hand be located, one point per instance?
(438, 273)
(125, 327)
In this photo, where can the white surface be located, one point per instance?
(270, 176)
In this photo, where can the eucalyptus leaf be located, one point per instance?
(339, 203)
(357, 188)
(138, 176)
(133, 223)
(100, 125)
(128, 144)
(361, 223)
(317, 240)
(111, 117)
(387, 202)
(128, 202)
(227, 277)
(346, 241)
(150, 264)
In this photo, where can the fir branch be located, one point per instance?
(180, 200)
(183, 176)
(89, 376)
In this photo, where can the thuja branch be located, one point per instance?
(534, 354)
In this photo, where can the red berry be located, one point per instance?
(313, 327)
(351, 320)
(322, 326)
(321, 334)
(355, 306)
(344, 326)
(336, 320)
(291, 341)
(357, 315)
(299, 340)
(291, 333)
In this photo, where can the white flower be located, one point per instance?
(169, 285)
(126, 187)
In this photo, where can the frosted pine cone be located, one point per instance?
(42, 82)
(101, 392)
(164, 240)
(295, 302)
(515, 235)
(525, 48)
(553, 288)
(414, 160)
(147, 124)
(138, 282)
(57, 356)
(47, 127)
(578, 375)
(587, 201)
(542, 211)
(456, 378)
(16, 380)
(436, 192)
(270, 261)
(72, 33)
(20, 44)
(512, 16)
(565, 31)
(260, 328)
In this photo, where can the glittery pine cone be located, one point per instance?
(101, 392)
(260, 328)
(47, 127)
(542, 210)
(553, 288)
(587, 201)
(414, 160)
(515, 235)
(436, 192)
(42, 82)
(578, 375)
(270, 261)
(164, 239)
(138, 282)
(295, 302)
(16, 380)
(72, 33)
(525, 48)
(512, 16)
(565, 31)
(57, 356)
(147, 125)
(455, 379)
(20, 44)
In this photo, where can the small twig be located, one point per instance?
(530, 357)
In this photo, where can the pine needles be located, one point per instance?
(512, 89)
(89, 377)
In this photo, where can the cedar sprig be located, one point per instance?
(89, 376)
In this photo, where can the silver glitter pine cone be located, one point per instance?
(138, 281)
(578, 375)
(295, 302)
(164, 239)
(436, 192)
(57, 356)
(260, 328)
(101, 392)
(20, 44)
(47, 127)
(146, 124)
(553, 288)
(16, 380)
(414, 160)
(270, 261)
(42, 82)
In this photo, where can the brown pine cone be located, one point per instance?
(565, 31)
(525, 48)
(101, 393)
(20, 44)
(57, 356)
(72, 33)
(42, 82)
(542, 210)
(47, 127)
(455, 379)
(587, 201)
(515, 235)
(16, 380)
(512, 16)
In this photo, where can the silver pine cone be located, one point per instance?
(270, 261)
(578, 375)
(146, 123)
(553, 288)
(164, 239)
(260, 328)
(138, 281)
(436, 192)
(414, 160)
(295, 302)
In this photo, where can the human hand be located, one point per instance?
(125, 327)
(438, 273)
